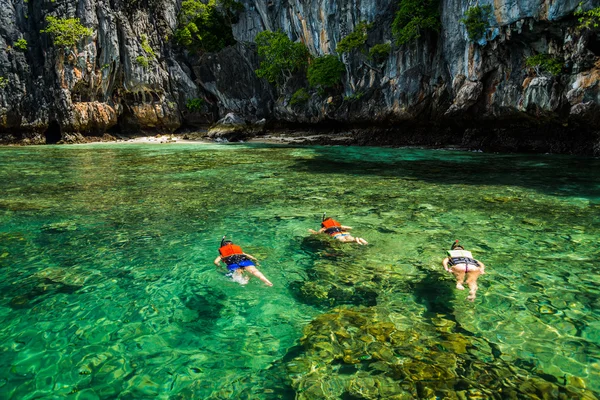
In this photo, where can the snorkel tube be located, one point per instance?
(223, 240)
(323, 218)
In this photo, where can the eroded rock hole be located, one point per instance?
(53, 134)
(594, 45)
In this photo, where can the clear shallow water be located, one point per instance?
(108, 288)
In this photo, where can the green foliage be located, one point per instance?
(545, 62)
(280, 57)
(20, 44)
(354, 40)
(301, 96)
(476, 21)
(194, 104)
(325, 72)
(142, 61)
(588, 19)
(206, 27)
(413, 17)
(147, 48)
(3, 82)
(380, 52)
(66, 31)
(354, 96)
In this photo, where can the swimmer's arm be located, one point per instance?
(252, 258)
(316, 232)
(346, 228)
(445, 264)
(218, 261)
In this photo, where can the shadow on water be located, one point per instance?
(323, 285)
(434, 293)
(33, 291)
(557, 176)
(207, 306)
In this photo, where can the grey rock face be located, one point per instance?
(103, 83)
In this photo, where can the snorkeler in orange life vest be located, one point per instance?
(461, 264)
(238, 262)
(337, 231)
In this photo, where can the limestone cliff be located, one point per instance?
(424, 92)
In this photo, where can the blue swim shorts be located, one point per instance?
(241, 264)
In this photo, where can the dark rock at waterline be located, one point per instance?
(235, 129)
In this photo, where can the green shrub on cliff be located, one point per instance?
(413, 17)
(588, 19)
(476, 21)
(142, 61)
(380, 52)
(3, 82)
(280, 57)
(20, 44)
(205, 27)
(325, 72)
(66, 31)
(545, 62)
(300, 96)
(357, 38)
(147, 48)
(194, 104)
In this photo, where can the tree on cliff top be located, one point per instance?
(477, 21)
(66, 31)
(280, 57)
(413, 17)
(206, 27)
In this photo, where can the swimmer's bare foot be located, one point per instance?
(459, 286)
(471, 297)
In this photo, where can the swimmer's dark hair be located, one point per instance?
(455, 245)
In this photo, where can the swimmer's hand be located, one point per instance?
(313, 232)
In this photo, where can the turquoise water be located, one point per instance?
(108, 288)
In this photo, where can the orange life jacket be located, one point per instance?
(330, 223)
(331, 226)
(229, 250)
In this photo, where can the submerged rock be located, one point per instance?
(360, 353)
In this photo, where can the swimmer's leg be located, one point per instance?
(258, 274)
(238, 276)
(460, 278)
(361, 241)
(472, 283)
